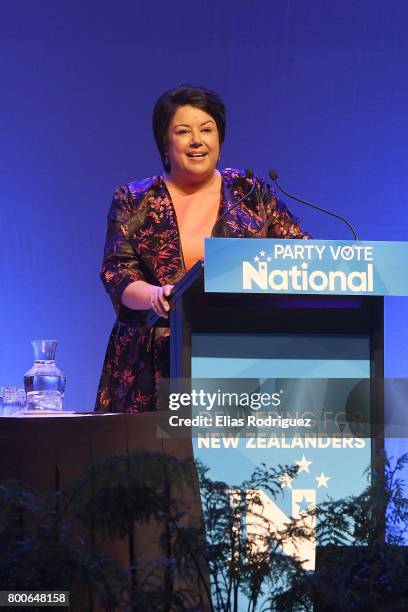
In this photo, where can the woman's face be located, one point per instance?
(192, 145)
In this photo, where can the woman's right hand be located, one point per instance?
(159, 301)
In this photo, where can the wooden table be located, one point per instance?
(50, 452)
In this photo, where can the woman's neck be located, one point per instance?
(183, 187)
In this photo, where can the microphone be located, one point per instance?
(249, 173)
(273, 175)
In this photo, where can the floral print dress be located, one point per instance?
(143, 243)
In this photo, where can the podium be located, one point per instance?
(346, 326)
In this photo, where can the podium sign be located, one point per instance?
(330, 267)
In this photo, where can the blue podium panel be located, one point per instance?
(280, 355)
(324, 469)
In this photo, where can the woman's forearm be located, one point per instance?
(137, 295)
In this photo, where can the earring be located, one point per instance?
(166, 160)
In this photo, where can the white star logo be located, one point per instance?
(269, 258)
(322, 480)
(286, 481)
(303, 464)
(256, 258)
(262, 253)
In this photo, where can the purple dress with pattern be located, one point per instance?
(143, 243)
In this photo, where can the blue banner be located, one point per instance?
(331, 267)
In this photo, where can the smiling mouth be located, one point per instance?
(196, 155)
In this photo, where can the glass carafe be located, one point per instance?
(44, 383)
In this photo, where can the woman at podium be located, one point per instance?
(156, 231)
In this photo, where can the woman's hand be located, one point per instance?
(140, 295)
(159, 301)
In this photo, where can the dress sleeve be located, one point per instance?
(281, 222)
(121, 264)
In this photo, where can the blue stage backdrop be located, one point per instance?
(317, 90)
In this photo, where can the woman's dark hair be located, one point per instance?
(165, 107)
